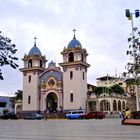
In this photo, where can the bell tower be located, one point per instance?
(34, 65)
(74, 75)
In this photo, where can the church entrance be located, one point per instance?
(51, 102)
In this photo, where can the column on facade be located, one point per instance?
(60, 100)
(42, 100)
(111, 105)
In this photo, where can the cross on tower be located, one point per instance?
(74, 30)
(35, 40)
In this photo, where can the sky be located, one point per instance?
(101, 28)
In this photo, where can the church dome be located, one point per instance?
(35, 50)
(74, 42)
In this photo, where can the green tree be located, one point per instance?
(18, 96)
(7, 52)
(100, 90)
(133, 67)
(117, 89)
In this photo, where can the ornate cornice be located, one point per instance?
(73, 64)
(31, 69)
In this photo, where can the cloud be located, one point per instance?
(102, 29)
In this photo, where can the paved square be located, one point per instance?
(105, 129)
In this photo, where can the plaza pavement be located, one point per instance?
(105, 129)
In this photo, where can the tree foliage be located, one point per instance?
(7, 52)
(100, 90)
(18, 94)
(117, 89)
(133, 66)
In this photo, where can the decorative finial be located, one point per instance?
(74, 30)
(35, 40)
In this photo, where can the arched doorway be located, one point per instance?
(105, 105)
(51, 102)
(92, 105)
(18, 108)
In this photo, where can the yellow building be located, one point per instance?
(111, 103)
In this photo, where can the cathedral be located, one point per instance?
(54, 88)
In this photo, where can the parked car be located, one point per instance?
(93, 114)
(34, 116)
(9, 115)
(75, 114)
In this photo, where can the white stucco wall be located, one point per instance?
(77, 86)
(30, 89)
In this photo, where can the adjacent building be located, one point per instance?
(5, 103)
(109, 102)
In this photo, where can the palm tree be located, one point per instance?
(18, 96)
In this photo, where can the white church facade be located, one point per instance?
(64, 88)
(52, 88)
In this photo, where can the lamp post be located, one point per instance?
(129, 15)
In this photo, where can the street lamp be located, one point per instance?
(129, 15)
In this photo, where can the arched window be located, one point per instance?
(71, 57)
(29, 78)
(114, 105)
(71, 74)
(83, 75)
(104, 105)
(123, 105)
(30, 63)
(71, 97)
(41, 63)
(119, 105)
(108, 106)
(29, 99)
(82, 57)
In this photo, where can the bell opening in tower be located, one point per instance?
(71, 57)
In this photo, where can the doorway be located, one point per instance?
(51, 102)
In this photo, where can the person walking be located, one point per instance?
(45, 114)
(127, 115)
(120, 115)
